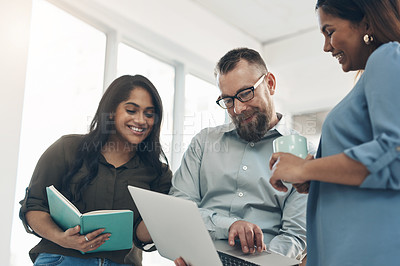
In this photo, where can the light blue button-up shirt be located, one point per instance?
(350, 225)
(228, 178)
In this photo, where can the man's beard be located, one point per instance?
(254, 130)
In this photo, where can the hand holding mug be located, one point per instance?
(289, 152)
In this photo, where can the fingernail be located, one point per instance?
(245, 249)
(232, 243)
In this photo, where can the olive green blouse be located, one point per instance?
(108, 190)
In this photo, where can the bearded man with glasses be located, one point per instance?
(225, 168)
(252, 121)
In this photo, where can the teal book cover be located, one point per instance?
(119, 223)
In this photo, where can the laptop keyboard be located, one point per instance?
(228, 260)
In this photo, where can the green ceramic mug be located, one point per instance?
(294, 144)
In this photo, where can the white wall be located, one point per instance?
(14, 36)
(308, 79)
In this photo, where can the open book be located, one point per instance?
(119, 223)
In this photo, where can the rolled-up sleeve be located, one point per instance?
(382, 159)
(382, 91)
(49, 170)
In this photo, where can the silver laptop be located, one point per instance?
(177, 230)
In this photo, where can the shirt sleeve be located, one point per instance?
(49, 170)
(186, 184)
(382, 91)
(291, 240)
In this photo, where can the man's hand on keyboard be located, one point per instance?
(250, 235)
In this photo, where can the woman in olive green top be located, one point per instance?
(93, 171)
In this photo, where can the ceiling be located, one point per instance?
(267, 21)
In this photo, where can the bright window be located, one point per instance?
(63, 87)
(201, 111)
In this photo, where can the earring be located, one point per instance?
(368, 39)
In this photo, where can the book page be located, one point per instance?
(61, 196)
(105, 211)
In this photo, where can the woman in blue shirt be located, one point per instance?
(353, 212)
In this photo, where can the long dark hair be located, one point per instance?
(101, 127)
(382, 16)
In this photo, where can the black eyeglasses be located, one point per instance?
(244, 95)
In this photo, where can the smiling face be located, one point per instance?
(134, 118)
(255, 117)
(344, 40)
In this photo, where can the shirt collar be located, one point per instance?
(282, 126)
(134, 162)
